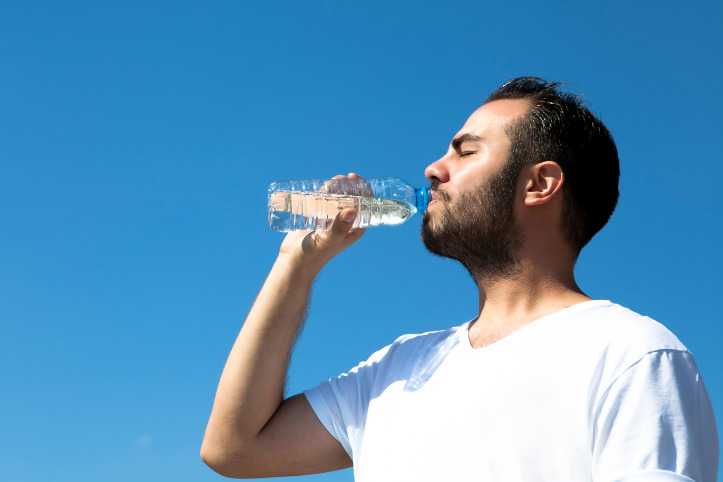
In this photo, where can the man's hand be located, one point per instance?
(311, 250)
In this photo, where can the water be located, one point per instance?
(293, 211)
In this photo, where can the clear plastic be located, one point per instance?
(313, 204)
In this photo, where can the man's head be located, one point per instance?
(525, 124)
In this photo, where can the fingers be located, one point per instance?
(351, 175)
(341, 184)
(342, 234)
(320, 246)
(344, 221)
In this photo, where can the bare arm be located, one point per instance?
(252, 431)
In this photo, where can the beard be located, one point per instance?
(478, 228)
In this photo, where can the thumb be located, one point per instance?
(342, 233)
(324, 245)
(344, 221)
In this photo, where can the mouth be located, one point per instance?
(437, 197)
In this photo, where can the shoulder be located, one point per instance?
(611, 340)
(623, 328)
(398, 359)
(414, 345)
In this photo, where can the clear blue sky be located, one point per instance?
(137, 141)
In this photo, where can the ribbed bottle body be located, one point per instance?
(313, 204)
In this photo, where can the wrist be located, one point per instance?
(296, 268)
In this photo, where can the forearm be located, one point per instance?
(252, 384)
(239, 438)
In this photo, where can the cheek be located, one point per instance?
(470, 176)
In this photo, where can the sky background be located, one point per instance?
(138, 139)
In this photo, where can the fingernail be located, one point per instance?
(348, 216)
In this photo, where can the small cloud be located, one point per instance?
(144, 440)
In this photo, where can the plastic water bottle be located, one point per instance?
(313, 204)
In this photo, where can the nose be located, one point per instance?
(437, 171)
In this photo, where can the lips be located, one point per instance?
(435, 199)
(437, 196)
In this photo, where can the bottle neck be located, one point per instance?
(423, 198)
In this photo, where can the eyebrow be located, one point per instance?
(458, 141)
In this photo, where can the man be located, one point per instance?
(545, 384)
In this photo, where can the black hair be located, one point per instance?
(560, 128)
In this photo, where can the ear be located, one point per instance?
(543, 183)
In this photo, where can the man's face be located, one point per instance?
(471, 216)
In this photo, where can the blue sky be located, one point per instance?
(137, 141)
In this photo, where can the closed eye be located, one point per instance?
(466, 153)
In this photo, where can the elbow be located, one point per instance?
(224, 461)
(214, 461)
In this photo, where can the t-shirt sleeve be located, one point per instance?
(341, 402)
(655, 423)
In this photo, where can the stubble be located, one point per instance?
(478, 228)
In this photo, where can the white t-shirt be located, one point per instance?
(592, 392)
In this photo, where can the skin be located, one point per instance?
(254, 432)
(544, 282)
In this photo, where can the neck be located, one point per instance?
(509, 303)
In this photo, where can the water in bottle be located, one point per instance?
(308, 205)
